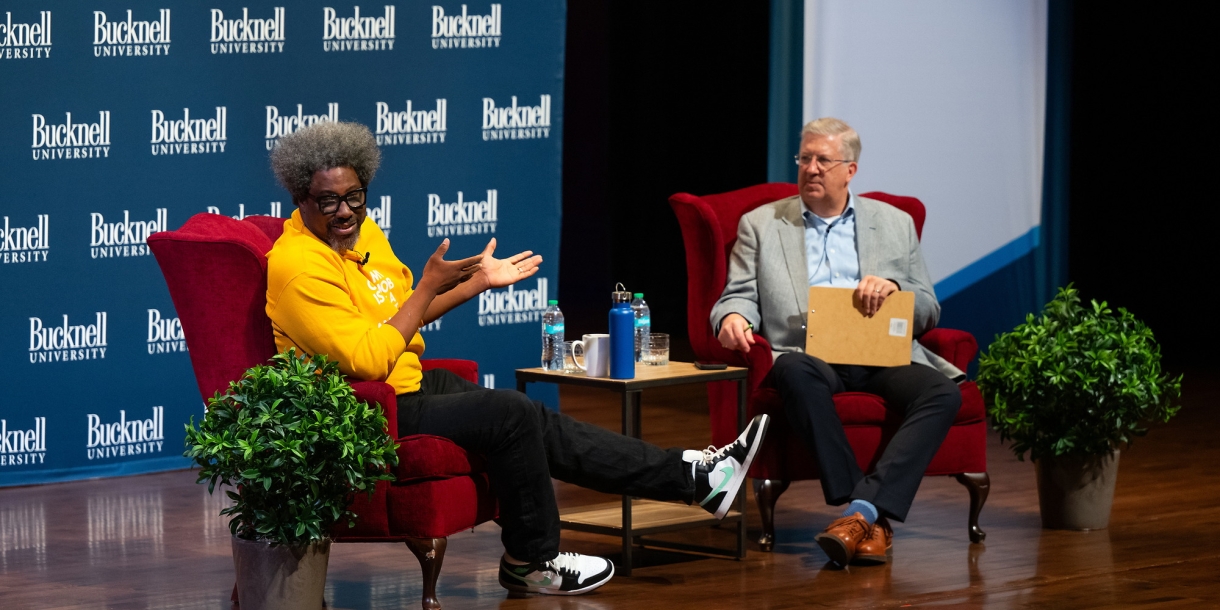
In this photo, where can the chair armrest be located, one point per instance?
(957, 346)
(424, 456)
(759, 359)
(466, 369)
(379, 393)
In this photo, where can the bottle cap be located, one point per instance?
(639, 295)
(620, 294)
(552, 302)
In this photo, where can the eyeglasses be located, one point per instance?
(823, 163)
(329, 204)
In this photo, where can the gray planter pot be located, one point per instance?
(1076, 492)
(280, 577)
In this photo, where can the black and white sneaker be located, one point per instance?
(567, 574)
(718, 473)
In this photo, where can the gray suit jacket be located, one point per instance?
(768, 281)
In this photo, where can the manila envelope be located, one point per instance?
(838, 332)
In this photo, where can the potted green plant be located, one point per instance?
(295, 444)
(1071, 387)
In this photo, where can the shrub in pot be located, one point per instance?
(1071, 387)
(294, 442)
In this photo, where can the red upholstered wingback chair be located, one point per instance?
(216, 269)
(709, 229)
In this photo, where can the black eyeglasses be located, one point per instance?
(329, 204)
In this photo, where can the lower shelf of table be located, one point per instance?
(647, 517)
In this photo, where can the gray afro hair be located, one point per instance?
(322, 146)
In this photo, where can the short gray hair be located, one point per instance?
(322, 146)
(830, 126)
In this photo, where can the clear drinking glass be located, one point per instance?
(654, 349)
(570, 353)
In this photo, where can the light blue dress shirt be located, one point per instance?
(830, 248)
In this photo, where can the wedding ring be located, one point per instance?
(878, 291)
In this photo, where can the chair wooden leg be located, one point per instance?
(766, 493)
(979, 484)
(431, 554)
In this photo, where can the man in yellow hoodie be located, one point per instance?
(335, 287)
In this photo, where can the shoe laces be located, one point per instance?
(877, 531)
(567, 564)
(856, 523)
(711, 454)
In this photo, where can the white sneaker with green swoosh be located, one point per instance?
(718, 473)
(567, 574)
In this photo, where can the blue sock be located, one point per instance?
(865, 508)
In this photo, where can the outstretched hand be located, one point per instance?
(441, 275)
(500, 272)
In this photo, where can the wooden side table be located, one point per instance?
(636, 518)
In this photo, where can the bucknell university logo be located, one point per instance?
(20, 447)
(246, 35)
(130, 38)
(413, 125)
(67, 342)
(465, 31)
(126, 237)
(164, 334)
(187, 136)
(512, 306)
(515, 122)
(462, 217)
(26, 244)
(380, 214)
(280, 125)
(71, 140)
(357, 33)
(275, 210)
(126, 436)
(25, 40)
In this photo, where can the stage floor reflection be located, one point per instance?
(157, 541)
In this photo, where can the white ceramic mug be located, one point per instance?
(596, 349)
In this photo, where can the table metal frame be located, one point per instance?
(679, 517)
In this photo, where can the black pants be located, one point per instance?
(525, 444)
(928, 400)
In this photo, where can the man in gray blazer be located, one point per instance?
(827, 236)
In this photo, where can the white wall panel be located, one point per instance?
(948, 97)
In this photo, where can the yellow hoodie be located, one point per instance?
(322, 302)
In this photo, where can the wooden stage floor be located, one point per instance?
(155, 541)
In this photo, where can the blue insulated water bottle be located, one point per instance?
(622, 335)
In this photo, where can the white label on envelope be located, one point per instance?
(898, 327)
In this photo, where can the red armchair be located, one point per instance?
(709, 230)
(216, 269)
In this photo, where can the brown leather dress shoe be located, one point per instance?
(878, 546)
(840, 538)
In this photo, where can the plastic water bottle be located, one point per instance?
(643, 322)
(622, 323)
(552, 337)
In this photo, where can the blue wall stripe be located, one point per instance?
(174, 461)
(786, 85)
(989, 264)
